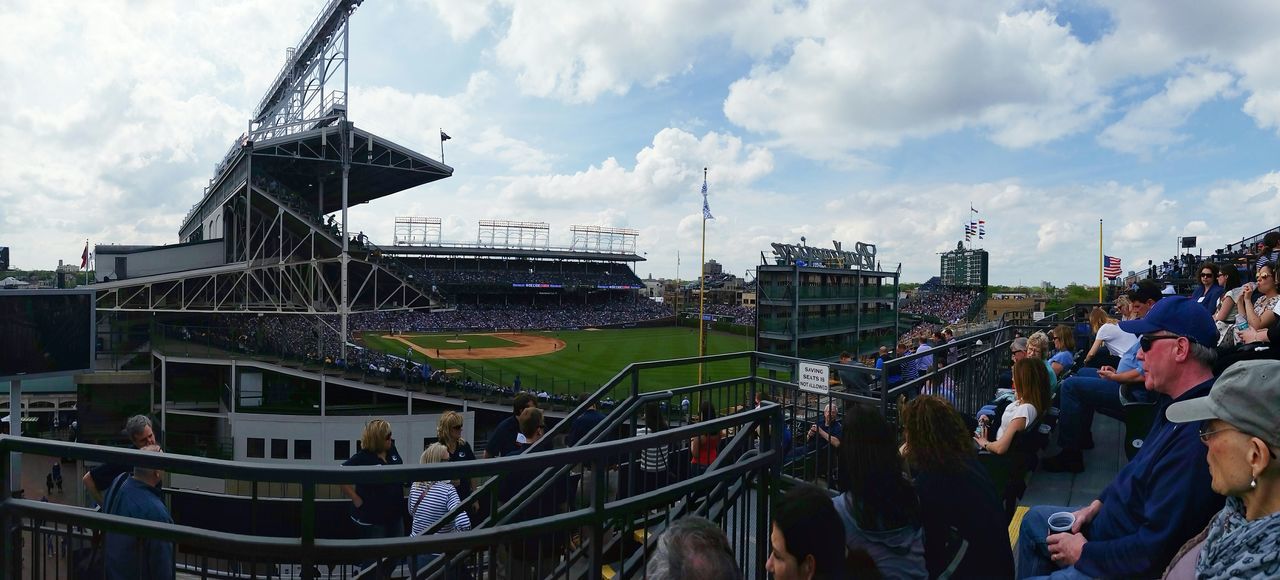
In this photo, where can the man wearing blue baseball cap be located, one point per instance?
(1162, 497)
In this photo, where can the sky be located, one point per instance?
(877, 121)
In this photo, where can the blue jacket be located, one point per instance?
(129, 557)
(1156, 503)
(1208, 300)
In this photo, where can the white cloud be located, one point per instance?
(665, 171)
(1153, 124)
(464, 19)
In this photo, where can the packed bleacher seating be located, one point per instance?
(945, 303)
(743, 315)
(516, 317)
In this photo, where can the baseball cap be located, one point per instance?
(1019, 344)
(1247, 396)
(1145, 290)
(1179, 315)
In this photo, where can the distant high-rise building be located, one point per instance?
(965, 267)
(712, 268)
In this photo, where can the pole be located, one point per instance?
(1100, 260)
(702, 289)
(442, 144)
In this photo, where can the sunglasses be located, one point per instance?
(1146, 341)
(1206, 274)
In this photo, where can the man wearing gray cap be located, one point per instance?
(1240, 425)
(1162, 497)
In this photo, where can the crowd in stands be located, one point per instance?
(515, 317)
(946, 303)
(744, 315)
(510, 277)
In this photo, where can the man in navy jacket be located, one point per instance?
(1162, 497)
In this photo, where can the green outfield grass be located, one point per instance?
(441, 341)
(590, 358)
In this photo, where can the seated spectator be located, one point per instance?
(1108, 335)
(1064, 341)
(1090, 390)
(1229, 279)
(1208, 291)
(1269, 250)
(1038, 345)
(955, 492)
(1159, 499)
(1238, 424)
(879, 509)
(692, 547)
(1031, 399)
(823, 440)
(1259, 312)
(806, 537)
(585, 422)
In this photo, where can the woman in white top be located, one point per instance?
(1228, 278)
(1031, 392)
(431, 500)
(1108, 335)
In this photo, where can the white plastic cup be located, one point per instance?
(1061, 522)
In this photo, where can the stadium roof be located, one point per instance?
(305, 161)
(460, 251)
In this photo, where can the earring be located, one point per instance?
(1253, 483)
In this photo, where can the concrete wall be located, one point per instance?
(323, 432)
(160, 260)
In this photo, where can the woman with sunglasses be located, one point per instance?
(1208, 292)
(1258, 312)
(449, 434)
(378, 509)
(1229, 279)
(1238, 425)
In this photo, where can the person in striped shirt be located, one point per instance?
(429, 501)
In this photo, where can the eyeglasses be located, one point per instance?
(1146, 340)
(1205, 435)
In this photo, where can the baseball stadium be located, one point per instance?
(301, 400)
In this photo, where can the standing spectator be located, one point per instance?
(924, 363)
(1238, 424)
(654, 461)
(377, 508)
(138, 430)
(431, 500)
(879, 508)
(1208, 291)
(57, 474)
(502, 441)
(131, 557)
(692, 547)
(955, 492)
(449, 434)
(1269, 250)
(806, 536)
(1162, 497)
(533, 555)
(585, 422)
(703, 448)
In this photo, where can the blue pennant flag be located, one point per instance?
(706, 208)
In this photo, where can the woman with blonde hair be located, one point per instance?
(1038, 348)
(1065, 342)
(449, 434)
(1031, 399)
(376, 508)
(431, 500)
(1109, 336)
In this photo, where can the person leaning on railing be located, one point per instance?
(1238, 423)
(703, 448)
(138, 429)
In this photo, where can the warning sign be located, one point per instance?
(815, 378)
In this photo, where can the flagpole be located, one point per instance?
(702, 282)
(1100, 260)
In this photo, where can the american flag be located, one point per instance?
(1111, 267)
